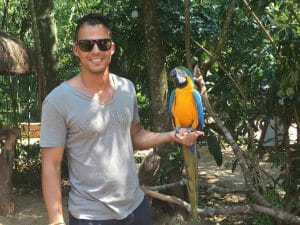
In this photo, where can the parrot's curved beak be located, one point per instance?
(173, 74)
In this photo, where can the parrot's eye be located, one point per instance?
(180, 73)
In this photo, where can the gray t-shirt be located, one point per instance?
(104, 182)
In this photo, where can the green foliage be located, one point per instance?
(275, 199)
(17, 22)
(27, 168)
(18, 100)
(26, 173)
(277, 157)
(287, 35)
(144, 107)
(176, 162)
(261, 219)
(289, 69)
(172, 26)
(291, 181)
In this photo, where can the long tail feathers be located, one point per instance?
(191, 166)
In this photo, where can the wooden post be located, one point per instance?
(8, 137)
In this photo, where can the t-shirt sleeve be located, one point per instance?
(53, 126)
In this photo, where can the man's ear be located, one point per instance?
(113, 48)
(75, 50)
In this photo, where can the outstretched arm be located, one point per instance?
(145, 139)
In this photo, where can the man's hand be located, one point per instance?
(187, 136)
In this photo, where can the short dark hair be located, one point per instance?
(92, 19)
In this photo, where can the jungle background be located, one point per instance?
(245, 56)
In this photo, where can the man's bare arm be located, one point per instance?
(144, 139)
(51, 182)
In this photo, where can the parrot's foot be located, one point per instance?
(180, 130)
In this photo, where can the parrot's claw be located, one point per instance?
(177, 131)
(189, 129)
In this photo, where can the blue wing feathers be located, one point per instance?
(200, 110)
(171, 102)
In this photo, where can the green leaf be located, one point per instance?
(214, 147)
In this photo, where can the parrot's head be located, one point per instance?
(179, 76)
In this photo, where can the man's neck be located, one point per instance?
(95, 82)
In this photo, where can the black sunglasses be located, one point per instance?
(88, 45)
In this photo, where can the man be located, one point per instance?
(94, 116)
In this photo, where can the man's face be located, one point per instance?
(96, 60)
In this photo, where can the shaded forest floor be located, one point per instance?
(224, 178)
(31, 211)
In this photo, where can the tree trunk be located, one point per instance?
(15, 58)
(156, 68)
(156, 71)
(45, 36)
(9, 137)
(158, 83)
(157, 78)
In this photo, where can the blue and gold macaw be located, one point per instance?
(186, 111)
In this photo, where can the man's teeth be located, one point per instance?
(96, 60)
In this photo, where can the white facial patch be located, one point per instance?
(181, 76)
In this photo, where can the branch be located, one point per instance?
(167, 198)
(230, 140)
(258, 21)
(227, 134)
(240, 209)
(210, 187)
(236, 209)
(166, 186)
(234, 81)
(217, 50)
(215, 188)
(202, 47)
(276, 213)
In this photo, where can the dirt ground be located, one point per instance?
(30, 210)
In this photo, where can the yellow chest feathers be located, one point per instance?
(184, 108)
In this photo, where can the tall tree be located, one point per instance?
(45, 36)
(156, 58)
(9, 136)
(156, 66)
